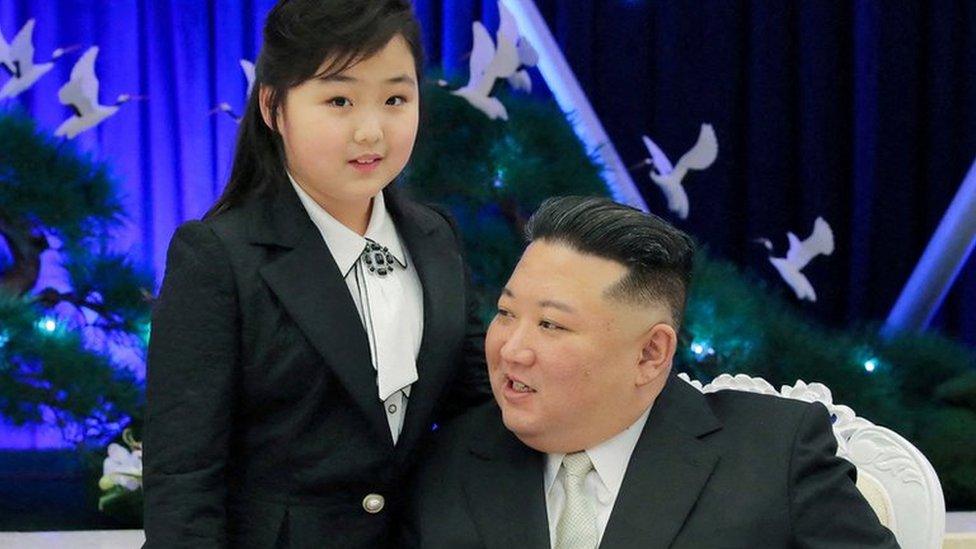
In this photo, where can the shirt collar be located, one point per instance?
(610, 457)
(344, 243)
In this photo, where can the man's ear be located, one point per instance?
(657, 354)
(264, 100)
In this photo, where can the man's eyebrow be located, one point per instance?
(551, 303)
(559, 305)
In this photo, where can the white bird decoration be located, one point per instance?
(669, 177)
(5, 61)
(821, 242)
(248, 68)
(527, 55)
(521, 81)
(81, 94)
(766, 243)
(487, 65)
(17, 58)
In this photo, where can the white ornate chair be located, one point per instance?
(895, 478)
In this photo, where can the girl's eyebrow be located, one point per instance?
(402, 79)
(343, 78)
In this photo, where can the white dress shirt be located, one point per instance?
(603, 483)
(390, 307)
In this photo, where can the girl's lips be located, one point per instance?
(366, 167)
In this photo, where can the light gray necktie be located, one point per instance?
(576, 528)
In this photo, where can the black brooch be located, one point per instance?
(378, 259)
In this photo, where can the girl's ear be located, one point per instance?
(264, 99)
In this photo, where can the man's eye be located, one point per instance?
(503, 312)
(339, 102)
(396, 100)
(549, 325)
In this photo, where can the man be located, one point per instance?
(594, 443)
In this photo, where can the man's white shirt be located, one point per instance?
(610, 459)
(390, 307)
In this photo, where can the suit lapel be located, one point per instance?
(307, 281)
(505, 490)
(434, 253)
(667, 471)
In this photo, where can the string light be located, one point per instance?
(701, 350)
(47, 324)
(499, 179)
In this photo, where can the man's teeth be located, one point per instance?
(521, 387)
(366, 161)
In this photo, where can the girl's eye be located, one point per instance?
(339, 102)
(396, 100)
(503, 312)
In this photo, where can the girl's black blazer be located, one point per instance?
(263, 425)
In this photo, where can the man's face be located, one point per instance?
(562, 357)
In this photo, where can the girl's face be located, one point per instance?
(347, 136)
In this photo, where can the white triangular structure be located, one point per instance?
(946, 254)
(560, 79)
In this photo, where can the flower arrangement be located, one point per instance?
(121, 471)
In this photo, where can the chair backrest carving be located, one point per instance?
(896, 479)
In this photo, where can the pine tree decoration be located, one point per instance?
(58, 337)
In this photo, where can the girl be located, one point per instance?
(312, 327)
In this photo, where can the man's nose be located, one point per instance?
(517, 348)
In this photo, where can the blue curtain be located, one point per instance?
(863, 112)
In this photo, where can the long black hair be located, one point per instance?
(299, 36)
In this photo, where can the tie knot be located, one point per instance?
(577, 464)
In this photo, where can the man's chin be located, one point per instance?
(524, 427)
(518, 422)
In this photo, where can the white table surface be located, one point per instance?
(960, 529)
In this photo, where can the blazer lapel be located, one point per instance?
(307, 281)
(434, 253)
(505, 490)
(669, 467)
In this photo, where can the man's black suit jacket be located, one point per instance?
(264, 425)
(721, 470)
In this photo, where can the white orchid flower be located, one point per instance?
(122, 468)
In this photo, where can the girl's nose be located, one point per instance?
(368, 131)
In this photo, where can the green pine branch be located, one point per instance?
(56, 366)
